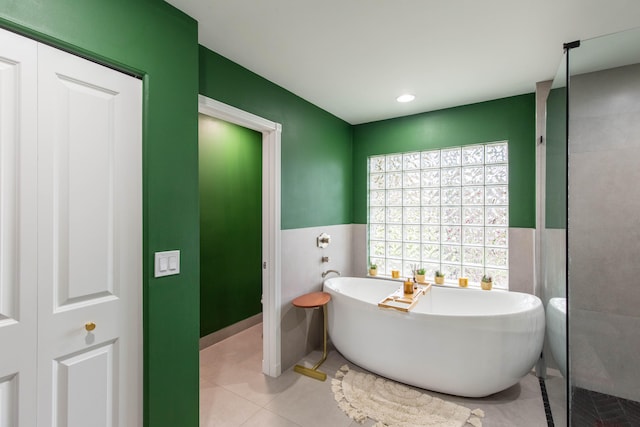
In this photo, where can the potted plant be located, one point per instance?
(373, 270)
(486, 283)
(439, 277)
(419, 275)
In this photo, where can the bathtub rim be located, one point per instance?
(538, 302)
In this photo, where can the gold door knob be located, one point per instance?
(89, 326)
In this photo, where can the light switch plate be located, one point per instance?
(167, 263)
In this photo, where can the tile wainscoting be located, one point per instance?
(302, 269)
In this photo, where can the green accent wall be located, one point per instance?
(316, 146)
(511, 119)
(160, 43)
(556, 161)
(230, 223)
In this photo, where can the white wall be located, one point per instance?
(550, 242)
(302, 273)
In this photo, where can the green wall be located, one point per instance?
(230, 223)
(160, 43)
(511, 119)
(316, 146)
(556, 161)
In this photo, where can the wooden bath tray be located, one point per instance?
(404, 302)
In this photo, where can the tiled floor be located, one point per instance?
(590, 408)
(234, 392)
(557, 393)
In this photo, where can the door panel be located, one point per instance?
(9, 400)
(18, 279)
(89, 243)
(84, 387)
(83, 199)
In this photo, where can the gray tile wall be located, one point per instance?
(604, 231)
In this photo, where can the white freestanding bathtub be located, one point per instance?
(466, 342)
(557, 331)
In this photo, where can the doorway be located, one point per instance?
(271, 269)
(230, 178)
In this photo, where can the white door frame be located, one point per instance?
(271, 268)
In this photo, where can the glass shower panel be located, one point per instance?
(604, 230)
(553, 245)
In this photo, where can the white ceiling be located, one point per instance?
(354, 57)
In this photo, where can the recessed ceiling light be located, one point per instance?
(407, 97)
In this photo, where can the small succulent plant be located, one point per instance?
(373, 267)
(420, 271)
(486, 278)
(439, 273)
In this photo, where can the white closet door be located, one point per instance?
(18, 219)
(89, 243)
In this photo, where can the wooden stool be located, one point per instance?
(315, 300)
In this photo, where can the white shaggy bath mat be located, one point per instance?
(363, 396)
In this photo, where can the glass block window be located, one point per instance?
(444, 210)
